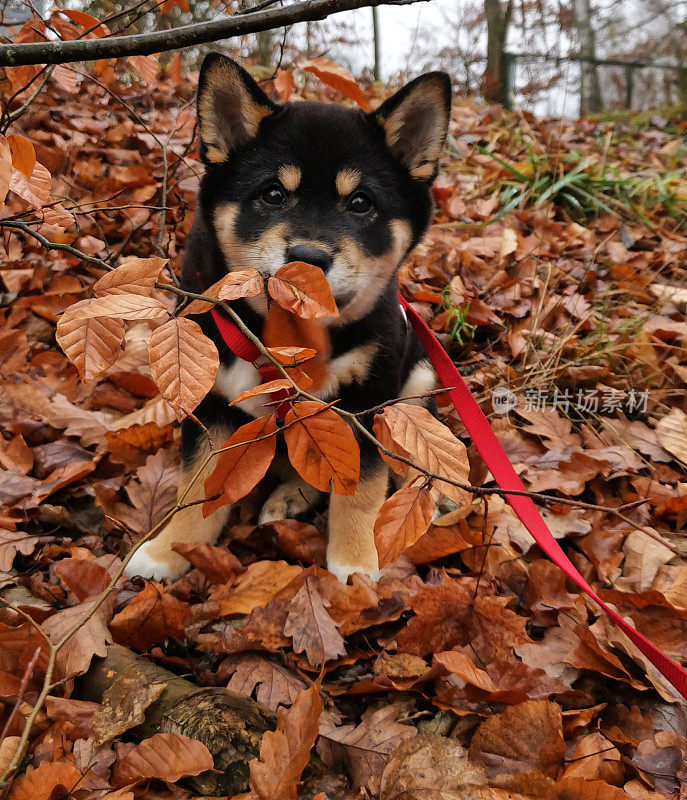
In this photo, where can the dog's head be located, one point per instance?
(332, 186)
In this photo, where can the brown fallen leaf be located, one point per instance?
(273, 684)
(310, 626)
(123, 705)
(402, 520)
(151, 616)
(92, 344)
(167, 756)
(40, 782)
(133, 276)
(260, 583)
(285, 752)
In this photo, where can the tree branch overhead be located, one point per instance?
(16, 55)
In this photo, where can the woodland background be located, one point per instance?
(554, 269)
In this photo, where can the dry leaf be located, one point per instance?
(403, 518)
(91, 344)
(672, 433)
(322, 448)
(133, 276)
(302, 289)
(338, 78)
(285, 752)
(124, 306)
(23, 154)
(183, 363)
(243, 465)
(151, 616)
(311, 627)
(41, 782)
(167, 756)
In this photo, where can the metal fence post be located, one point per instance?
(509, 74)
(629, 86)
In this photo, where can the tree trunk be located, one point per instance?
(377, 44)
(590, 89)
(494, 80)
(228, 724)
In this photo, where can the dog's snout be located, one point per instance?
(311, 255)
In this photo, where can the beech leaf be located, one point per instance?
(239, 468)
(183, 363)
(166, 756)
(403, 518)
(23, 154)
(133, 276)
(124, 306)
(302, 289)
(92, 344)
(322, 448)
(338, 78)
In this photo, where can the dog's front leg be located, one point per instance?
(156, 559)
(351, 546)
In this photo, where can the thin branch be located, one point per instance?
(15, 55)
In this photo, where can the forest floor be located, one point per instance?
(473, 669)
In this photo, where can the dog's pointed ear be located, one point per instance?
(415, 123)
(231, 106)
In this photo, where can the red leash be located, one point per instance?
(505, 476)
(496, 460)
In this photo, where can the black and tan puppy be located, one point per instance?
(343, 190)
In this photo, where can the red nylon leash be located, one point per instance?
(505, 476)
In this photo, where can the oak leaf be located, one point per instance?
(322, 447)
(133, 276)
(183, 363)
(403, 518)
(92, 344)
(152, 492)
(431, 445)
(12, 543)
(166, 756)
(338, 78)
(302, 289)
(273, 684)
(150, 617)
(285, 751)
(243, 465)
(311, 627)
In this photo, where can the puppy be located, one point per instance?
(346, 191)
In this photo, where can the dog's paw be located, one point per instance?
(147, 563)
(287, 501)
(343, 571)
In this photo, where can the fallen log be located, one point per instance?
(228, 724)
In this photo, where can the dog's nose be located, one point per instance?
(310, 254)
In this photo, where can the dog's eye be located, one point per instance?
(274, 195)
(360, 203)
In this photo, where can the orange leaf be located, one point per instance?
(5, 168)
(146, 66)
(260, 583)
(133, 276)
(240, 283)
(86, 21)
(322, 447)
(41, 782)
(239, 469)
(264, 388)
(302, 289)
(166, 756)
(338, 78)
(183, 363)
(285, 752)
(91, 344)
(23, 154)
(403, 518)
(290, 356)
(430, 444)
(285, 84)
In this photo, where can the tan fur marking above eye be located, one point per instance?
(290, 177)
(423, 171)
(347, 181)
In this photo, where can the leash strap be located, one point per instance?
(505, 476)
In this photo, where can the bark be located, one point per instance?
(590, 88)
(228, 724)
(15, 55)
(494, 81)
